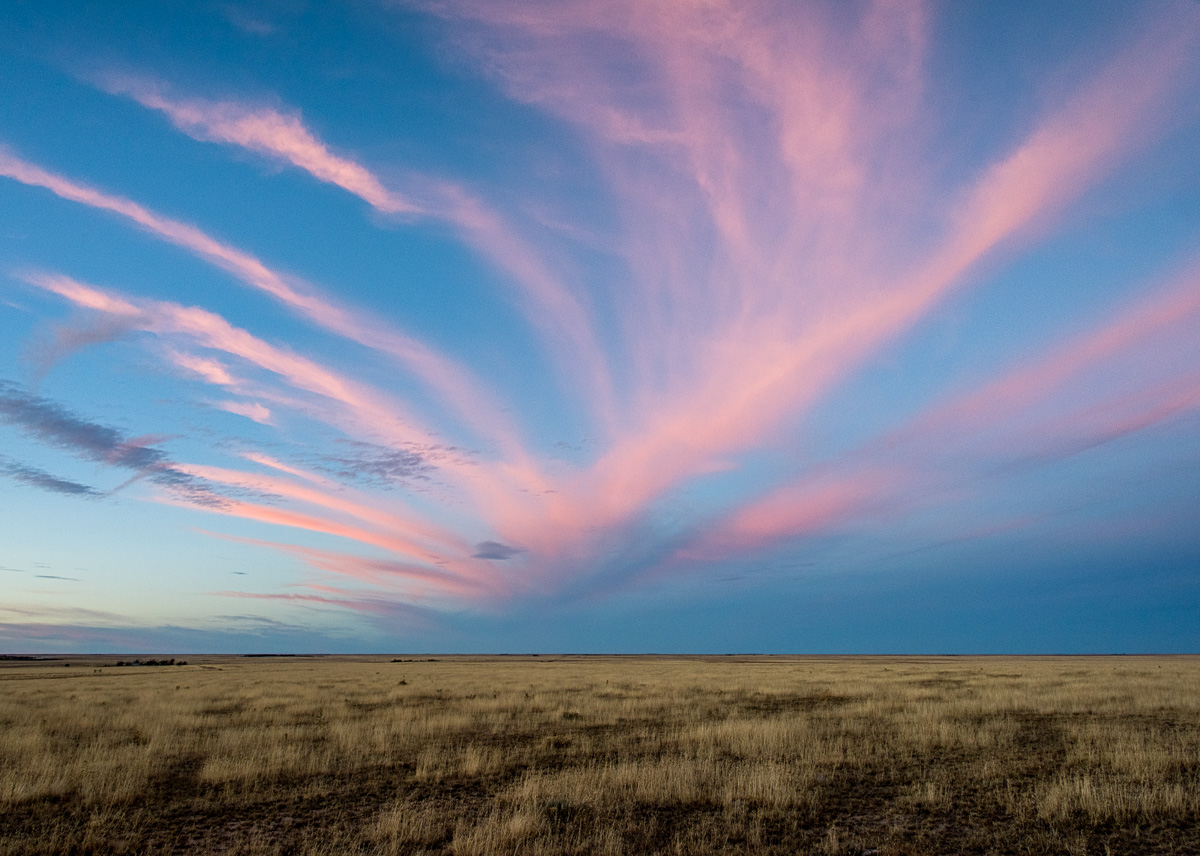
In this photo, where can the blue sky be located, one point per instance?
(600, 326)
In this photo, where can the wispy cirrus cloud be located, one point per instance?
(417, 537)
(560, 313)
(362, 411)
(250, 409)
(262, 129)
(1151, 338)
(214, 332)
(1130, 371)
(340, 400)
(380, 608)
(465, 395)
(205, 368)
(421, 564)
(398, 579)
(276, 464)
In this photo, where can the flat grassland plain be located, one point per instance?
(610, 755)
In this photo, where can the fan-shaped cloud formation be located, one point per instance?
(775, 211)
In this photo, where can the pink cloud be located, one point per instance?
(207, 369)
(362, 604)
(807, 507)
(414, 581)
(432, 539)
(469, 400)
(312, 523)
(264, 130)
(1044, 408)
(350, 406)
(275, 464)
(361, 410)
(212, 331)
(560, 314)
(1156, 329)
(250, 409)
(1121, 108)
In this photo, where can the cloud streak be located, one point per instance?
(35, 477)
(265, 130)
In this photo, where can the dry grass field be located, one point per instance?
(608, 755)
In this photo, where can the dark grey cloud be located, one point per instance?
(52, 424)
(495, 550)
(379, 466)
(55, 426)
(39, 478)
(56, 577)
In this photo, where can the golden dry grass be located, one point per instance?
(602, 755)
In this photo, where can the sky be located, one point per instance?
(609, 326)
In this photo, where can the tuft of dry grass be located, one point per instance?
(610, 755)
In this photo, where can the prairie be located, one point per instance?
(608, 755)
